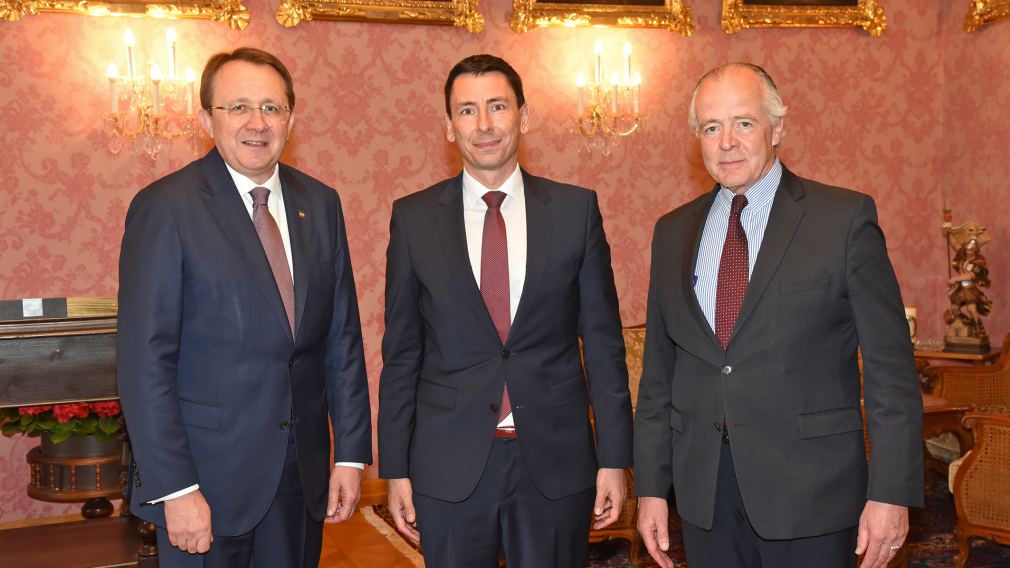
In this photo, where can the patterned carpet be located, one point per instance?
(931, 539)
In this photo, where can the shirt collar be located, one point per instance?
(473, 190)
(759, 194)
(245, 185)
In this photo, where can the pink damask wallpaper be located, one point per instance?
(907, 118)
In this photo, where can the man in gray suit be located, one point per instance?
(761, 292)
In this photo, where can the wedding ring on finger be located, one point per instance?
(895, 547)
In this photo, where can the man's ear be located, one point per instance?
(778, 131)
(524, 118)
(206, 122)
(450, 134)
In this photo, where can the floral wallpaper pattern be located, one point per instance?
(909, 118)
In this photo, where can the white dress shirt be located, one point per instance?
(513, 210)
(275, 204)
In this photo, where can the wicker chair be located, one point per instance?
(624, 526)
(980, 484)
(986, 388)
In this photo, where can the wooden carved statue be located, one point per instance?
(968, 277)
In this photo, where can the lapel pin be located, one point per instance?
(301, 213)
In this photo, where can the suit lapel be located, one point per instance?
(782, 222)
(692, 242)
(539, 231)
(299, 227)
(229, 211)
(452, 234)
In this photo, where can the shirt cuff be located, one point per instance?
(178, 493)
(350, 464)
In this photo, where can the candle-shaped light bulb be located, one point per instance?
(627, 62)
(155, 88)
(614, 81)
(113, 87)
(171, 53)
(581, 84)
(130, 40)
(190, 78)
(636, 82)
(598, 48)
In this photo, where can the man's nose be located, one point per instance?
(727, 139)
(256, 120)
(483, 120)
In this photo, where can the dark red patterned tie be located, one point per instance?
(270, 236)
(733, 274)
(494, 277)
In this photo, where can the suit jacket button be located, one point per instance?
(292, 363)
(283, 425)
(727, 370)
(718, 426)
(494, 408)
(505, 354)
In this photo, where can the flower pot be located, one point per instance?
(78, 465)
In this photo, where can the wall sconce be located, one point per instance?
(149, 111)
(608, 112)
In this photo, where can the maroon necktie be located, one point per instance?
(733, 274)
(494, 277)
(273, 246)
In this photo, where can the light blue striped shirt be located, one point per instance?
(754, 219)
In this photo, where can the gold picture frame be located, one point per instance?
(983, 11)
(673, 15)
(459, 13)
(230, 12)
(742, 14)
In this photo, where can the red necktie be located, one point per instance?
(733, 274)
(273, 246)
(494, 277)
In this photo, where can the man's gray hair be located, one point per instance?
(772, 98)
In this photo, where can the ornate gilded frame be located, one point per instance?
(459, 13)
(742, 14)
(230, 12)
(982, 11)
(673, 15)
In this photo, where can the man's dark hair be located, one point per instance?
(479, 65)
(249, 55)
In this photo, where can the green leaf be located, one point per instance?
(58, 437)
(11, 428)
(109, 425)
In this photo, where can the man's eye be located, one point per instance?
(746, 124)
(709, 130)
(271, 109)
(466, 111)
(498, 107)
(240, 108)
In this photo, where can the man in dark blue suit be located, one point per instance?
(239, 342)
(492, 276)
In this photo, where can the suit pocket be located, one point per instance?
(200, 414)
(677, 420)
(830, 422)
(569, 390)
(804, 284)
(437, 395)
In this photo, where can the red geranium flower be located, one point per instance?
(33, 410)
(67, 412)
(105, 409)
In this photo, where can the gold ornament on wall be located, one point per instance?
(983, 11)
(459, 13)
(673, 15)
(230, 12)
(742, 14)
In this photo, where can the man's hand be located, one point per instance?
(345, 490)
(611, 491)
(654, 526)
(882, 530)
(187, 519)
(400, 498)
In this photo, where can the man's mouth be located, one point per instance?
(256, 143)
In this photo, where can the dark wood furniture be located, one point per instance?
(939, 415)
(66, 353)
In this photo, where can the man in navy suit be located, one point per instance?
(239, 344)
(492, 276)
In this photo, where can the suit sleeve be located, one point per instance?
(147, 346)
(600, 328)
(402, 352)
(653, 436)
(891, 388)
(346, 381)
